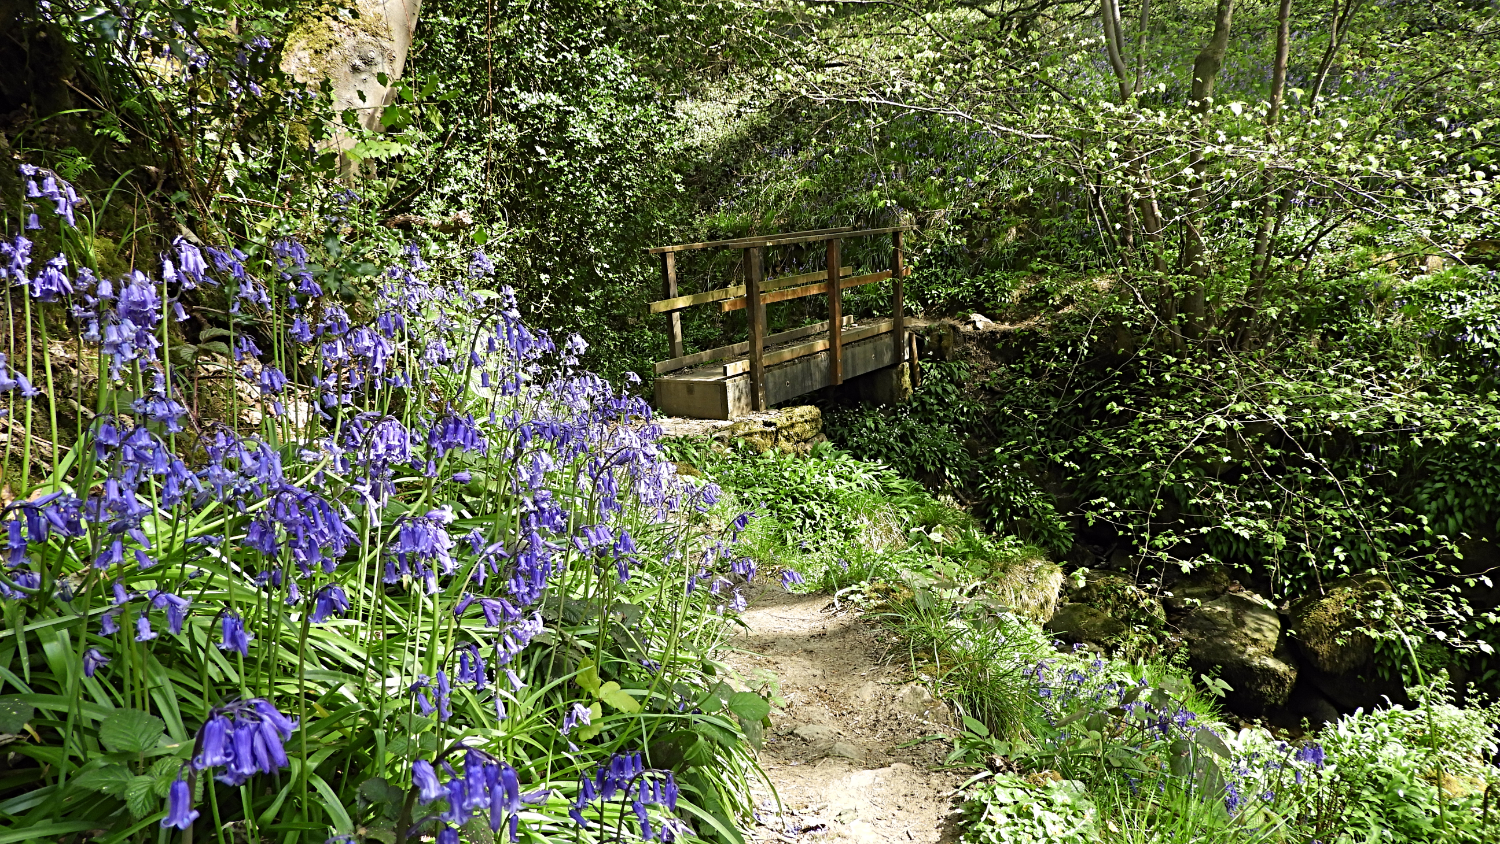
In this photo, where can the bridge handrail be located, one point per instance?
(788, 239)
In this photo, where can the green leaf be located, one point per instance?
(976, 727)
(140, 796)
(749, 706)
(110, 779)
(595, 725)
(166, 771)
(588, 677)
(612, 694)
(14, 714)
(131, 731)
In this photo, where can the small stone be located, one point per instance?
(915, 699)
(814, 733)
(847, 750)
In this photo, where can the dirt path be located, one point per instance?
(834, 753)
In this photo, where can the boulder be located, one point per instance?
(1085, 624)
(1030, 587)
(1328, 626)
(1238, 636)
(1110, 611)
(1196, 588)
(1118, 596)
(941, 340)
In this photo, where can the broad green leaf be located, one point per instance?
(749, 706)
(588, 677)
(14, 714)
(140, 796)
(612, 694)
(110, 779)
(131, 731)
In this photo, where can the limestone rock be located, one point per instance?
(942, 340)
(1083, 623)
(1030, 587)
(814, 733)
(1118, 596)
(1327, 626)
(789, 429)
(917, 699)
(1239, 636)
(847, 750)
(1196, 588)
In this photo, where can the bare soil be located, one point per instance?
(845, 753)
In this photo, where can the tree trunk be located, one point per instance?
(1205, 72)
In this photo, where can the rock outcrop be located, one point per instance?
(1329, 630)
(1237, 636)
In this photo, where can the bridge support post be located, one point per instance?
(669, 291)
(835, 315)
(755, 313)
(898, 297)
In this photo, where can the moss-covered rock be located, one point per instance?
(1329, 627)
(1030, 586)
(1238, 637)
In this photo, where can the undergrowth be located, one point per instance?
(1074, 747)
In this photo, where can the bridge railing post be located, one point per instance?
(835, 314)
(669, 291)
(898, 297)
(755, 313)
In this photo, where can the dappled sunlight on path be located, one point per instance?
(835, 753)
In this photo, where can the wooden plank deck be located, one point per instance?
(722, 390)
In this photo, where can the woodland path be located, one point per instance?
(834, 753)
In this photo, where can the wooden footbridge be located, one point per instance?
(730, 381)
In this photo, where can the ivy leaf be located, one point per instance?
(612, 694)
(131, 731)
(748, 706)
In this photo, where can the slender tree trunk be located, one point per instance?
(1271, 221)
(1273, 115)
(1205, 72)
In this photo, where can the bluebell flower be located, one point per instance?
(578, 714)
(143, 631)
(213, 745)
(329, 601)
(234, 636)
(92, 660)
(790, 578)
(180, 811)
(424, 778)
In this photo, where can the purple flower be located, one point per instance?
(175, 606)
(143, 631)
(234, 636)
(92, 660)
(790, 578)
(424, 778)
(579, 714)
(213, 744)
(329, 601)
(180, 811)
(1311, 754)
